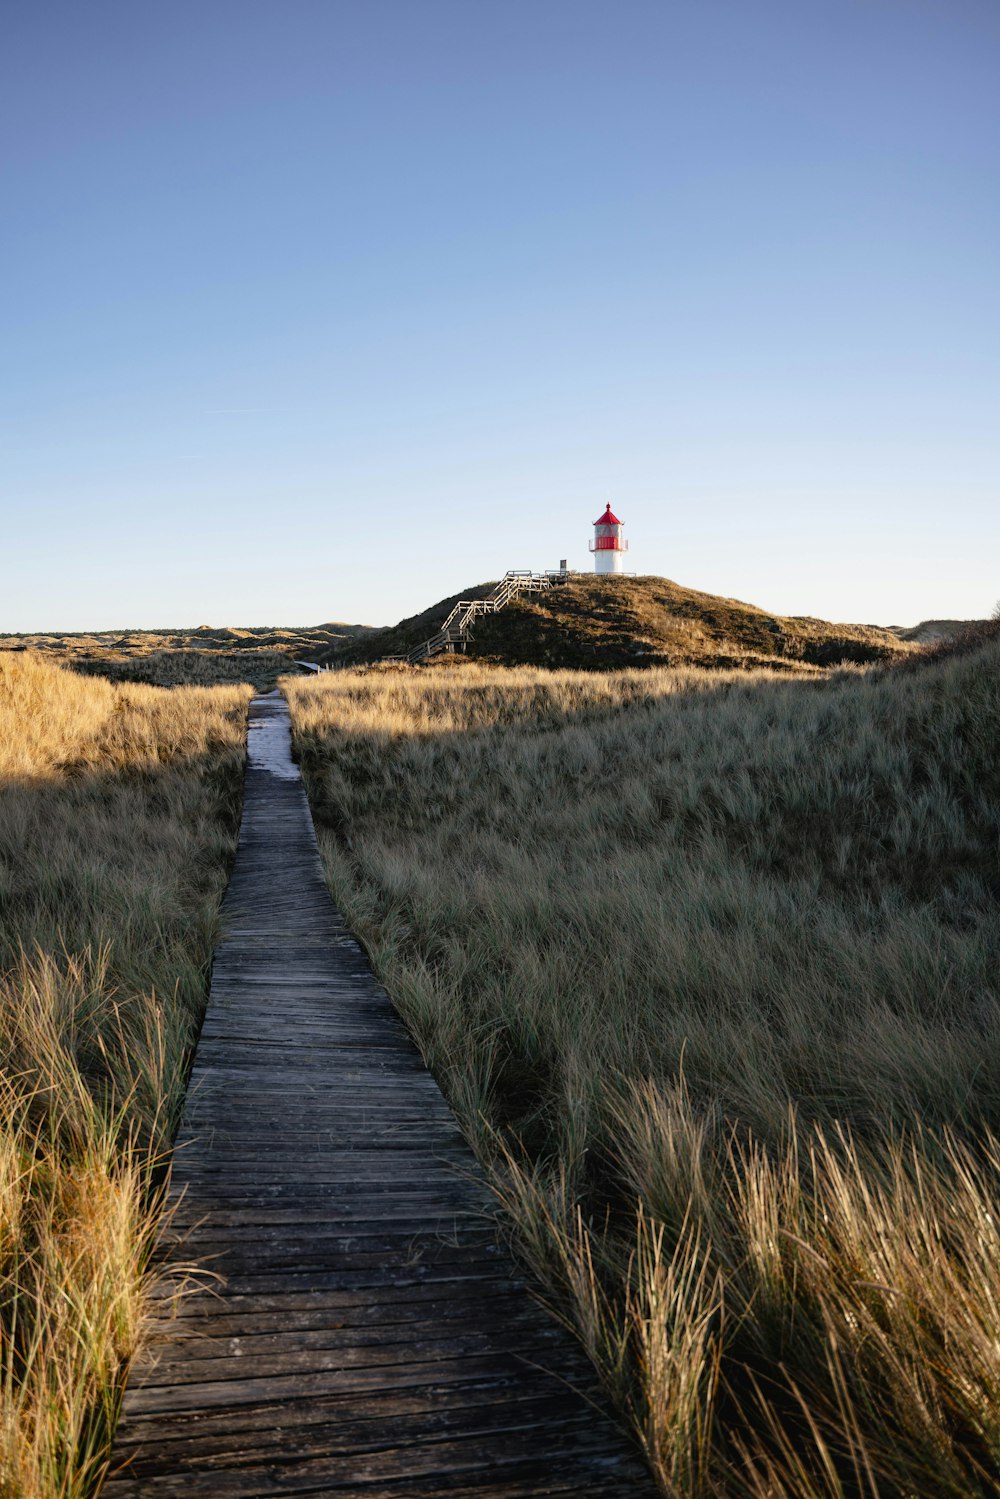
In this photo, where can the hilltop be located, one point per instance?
(608, 622)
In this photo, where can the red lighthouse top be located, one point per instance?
(608, 518)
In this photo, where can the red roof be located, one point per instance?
(608, 519)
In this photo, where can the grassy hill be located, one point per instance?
(644, 621)
(397, 640)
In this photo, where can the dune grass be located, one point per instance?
(203, 657)
(600, 623)
(707, 965)
(190, 668)
(118, 815)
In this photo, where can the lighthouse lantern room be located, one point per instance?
(608, 544)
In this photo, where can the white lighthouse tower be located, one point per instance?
(608, 544)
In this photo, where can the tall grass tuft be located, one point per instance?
(707, 965)
(117, 821)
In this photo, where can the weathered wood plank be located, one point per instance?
(202, 1342)
(386, 1421)
(574, 1448)
(184, 1366)
(361, 1330)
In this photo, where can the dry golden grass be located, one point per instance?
(707, 964)
(205, 657)
(190, 668)
(603, 623)
(117, 822)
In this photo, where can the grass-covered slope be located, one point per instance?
(724, 947)
(931, 631)
(399, 639)
(206, 656)
(652, 621)
(590, 622)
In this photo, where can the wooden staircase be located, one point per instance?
(457, 628)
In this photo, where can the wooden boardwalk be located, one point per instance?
(366, 1336)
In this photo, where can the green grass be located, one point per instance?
(118, 819)
(707, 964)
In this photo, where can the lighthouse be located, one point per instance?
(608, 543)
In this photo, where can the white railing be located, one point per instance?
(457, 628)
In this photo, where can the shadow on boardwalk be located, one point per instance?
(367, 1334)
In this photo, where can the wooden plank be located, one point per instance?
(199, 1316)
(232, 1389)
(247, 1280)
(410, 1210)
(574, 1447)
(362, 1330)
(564, 1480)
(274, 1358)
(203, 1341)
(571, 1443)
(384, 1239)
(378, 1195)
(340, 1427)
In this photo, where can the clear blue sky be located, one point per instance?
(322, 309)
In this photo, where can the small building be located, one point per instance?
(608, 544)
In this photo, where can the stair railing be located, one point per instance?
(457, 628)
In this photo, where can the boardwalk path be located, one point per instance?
(367, 1336)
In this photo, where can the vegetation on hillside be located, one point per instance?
(118, 817)
(933, 631)
(707, 964)
(610, 622)
(398, 640)
(203, 657)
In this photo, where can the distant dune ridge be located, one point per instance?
(642, 621)
(206, 656)
(930, 631)
(596, 623)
